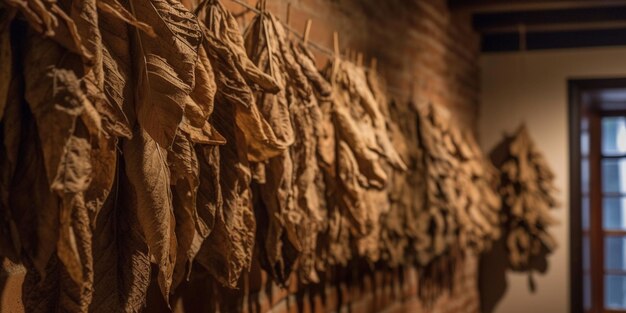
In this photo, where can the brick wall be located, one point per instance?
(426, 54)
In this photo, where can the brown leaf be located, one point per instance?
(165, 66)
(146, 167)
(228, 249)
(49, 19)
(116, 66)
(218, 19)
(184, 171)
(36, 214)
(121, 262)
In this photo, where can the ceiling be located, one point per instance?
(515, 25)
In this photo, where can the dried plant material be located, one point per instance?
(263, 44)
(36, 216)
(459, 202)
(49, 19)
(120, 254)
(364, 155)
(148, 174)
(289, 204)
(64, 114)
(528, 193)
(236, 77)
(400, 232)
(309, 188)
(165, 66)
(280, 244)
(139, 140)
(390, 238)
(228, 249)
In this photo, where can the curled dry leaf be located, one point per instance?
(228, 249)
(148, 174)
(120, 254)
(165, 66)
(278, 193)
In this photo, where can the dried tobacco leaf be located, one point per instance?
(120, 254)
(265, 36)
(36, 215)
(146, 167)
(165, 66)
(459, 197)
(235, 76)
(399, 231)
(263, 44)
(49, 19)
(228, 249)
(184, 171)
(64, 113)
(528, 193)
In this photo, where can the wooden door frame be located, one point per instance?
(576, 88)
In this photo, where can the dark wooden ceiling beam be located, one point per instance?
(475, 6)
(551, 20)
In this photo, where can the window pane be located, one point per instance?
(615, 253)
(614, 214)
(586, 253)
(615, 292)
(584, 143)
(585, 204)
(584, 176)
(614, 175)
(614, 135)
(587, 291)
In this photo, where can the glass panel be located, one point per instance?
(614, 135)
(585, 204)
(614, 175)
(584, 143)
(615, 253)
(615, 292)
(614, 214)
(584, 176)
(586, 253)
(587, 291)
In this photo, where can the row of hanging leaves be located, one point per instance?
(141, 137)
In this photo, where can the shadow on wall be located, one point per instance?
(492, 281)
(494, 264)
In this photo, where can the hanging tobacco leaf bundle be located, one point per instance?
(363, 154)
(57, 123)
(138, 138)
(398, 226)
(99, 217)
(460, 203)
(436, 223)
(326, 182)
(528, 193)
(310, 135)
(289, 190)
(228, 249)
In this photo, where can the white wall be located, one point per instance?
(531, 87)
